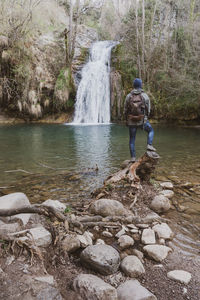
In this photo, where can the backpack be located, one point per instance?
(136, 107)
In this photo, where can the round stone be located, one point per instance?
(101, 258)
(160, 204)
(132, 266)
(125, 241)
(107, 207)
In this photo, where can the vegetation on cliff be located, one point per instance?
(160, 44)
(35, 79)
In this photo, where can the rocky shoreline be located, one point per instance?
(117, 246)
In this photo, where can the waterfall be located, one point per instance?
(93, 94)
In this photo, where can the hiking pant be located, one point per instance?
(132, 134)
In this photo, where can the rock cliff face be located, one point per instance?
(48, 85)
(86, 36)
(34, 79)
(118, 86)
(123, 6)
(117, 96)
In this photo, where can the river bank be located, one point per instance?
(51, 119)
(130, 231)
(61, 118)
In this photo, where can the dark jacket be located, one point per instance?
(147, 109)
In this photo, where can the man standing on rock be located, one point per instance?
(136, 112)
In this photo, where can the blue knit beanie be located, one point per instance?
(137, 83)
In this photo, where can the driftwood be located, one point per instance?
(135, 172)
(18, 170)
(48, 167)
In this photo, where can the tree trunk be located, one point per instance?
(143, 40)
(137, 40)
(70, 34)
(150, 41)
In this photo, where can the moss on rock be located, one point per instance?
(64, 93)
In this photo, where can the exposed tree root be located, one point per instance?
(38, 209)
(135, 172)
(15, 243)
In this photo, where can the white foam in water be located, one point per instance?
(87, 124)
(93, 95)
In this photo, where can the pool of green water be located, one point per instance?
(68, 162)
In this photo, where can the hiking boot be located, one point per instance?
(150, 148)
(133, 159)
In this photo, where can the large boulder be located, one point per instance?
(157, 252)
(101, 258)
(133, 290)
(107, 207)
(15, 201)
(132, 266)
(92, 287)
(160, 204)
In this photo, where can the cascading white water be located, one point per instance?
(93, 95)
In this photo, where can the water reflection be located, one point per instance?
(92, 145)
